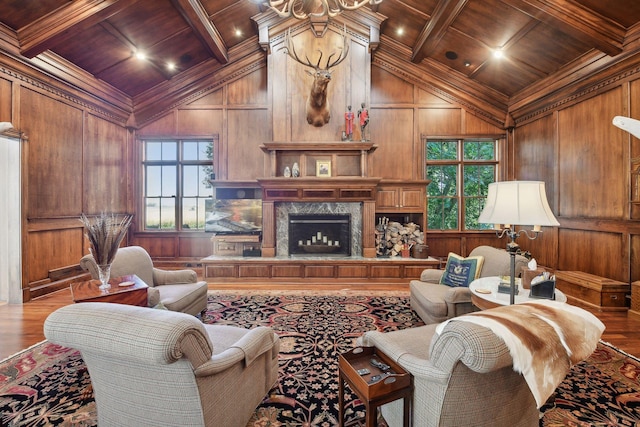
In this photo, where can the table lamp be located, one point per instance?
(511, 203)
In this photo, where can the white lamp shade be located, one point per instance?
(517, 203)
(627, 123)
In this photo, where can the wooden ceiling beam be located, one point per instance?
(444, 14)
(577, 21)
(198, 19)
(65, 22)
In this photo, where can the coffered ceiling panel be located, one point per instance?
(441, 39)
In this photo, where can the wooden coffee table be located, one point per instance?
(134, 294)
(379, 386)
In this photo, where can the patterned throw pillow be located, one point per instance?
(461, 271)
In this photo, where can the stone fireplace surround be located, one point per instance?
(283, 209)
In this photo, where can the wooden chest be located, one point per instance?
(595, 291)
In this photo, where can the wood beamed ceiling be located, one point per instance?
(446, 45)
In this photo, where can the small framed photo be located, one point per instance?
(323, 168)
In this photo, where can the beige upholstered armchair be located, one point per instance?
(435, 303)
(177, 290)
(156, 368)
(464, 373)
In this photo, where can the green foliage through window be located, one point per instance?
(460, 172)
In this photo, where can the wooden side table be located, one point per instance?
(485, 295)
(381, 385)
(134, 294)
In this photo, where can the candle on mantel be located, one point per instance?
(324, 239)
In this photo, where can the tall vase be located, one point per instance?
(104, 272)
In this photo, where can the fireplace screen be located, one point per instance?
(319, 235)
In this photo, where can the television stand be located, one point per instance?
(235, 244)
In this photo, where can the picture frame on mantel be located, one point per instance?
(323, 168)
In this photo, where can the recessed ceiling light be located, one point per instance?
(498, 53)
(140, 55)
(467, 63)
(171, 66)
(400, 31)
(238, 32)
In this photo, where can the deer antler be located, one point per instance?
(353, 5)
(344, 51)
(302, 9)
(290, 50)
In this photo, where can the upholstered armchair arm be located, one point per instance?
(457, 294)
(431, 275)
(220, 362)
(409, 348)
(173, 277)
(475, 346)
(247, 349)
(145, 335)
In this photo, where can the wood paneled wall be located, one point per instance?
(81, 158)
(402, 114)
(584, 161)
(238, 114)
(74, 161)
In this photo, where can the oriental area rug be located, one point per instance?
(48, 385)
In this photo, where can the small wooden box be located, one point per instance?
(360, 357)
(528, 275)
(598, 292)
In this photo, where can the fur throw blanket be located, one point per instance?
(544, 339)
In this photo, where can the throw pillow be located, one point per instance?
(461, 271)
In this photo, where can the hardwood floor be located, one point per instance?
(21, 324)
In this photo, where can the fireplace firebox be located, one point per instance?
(319, 235)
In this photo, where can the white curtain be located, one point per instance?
(10, 221)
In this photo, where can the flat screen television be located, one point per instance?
(233, 216)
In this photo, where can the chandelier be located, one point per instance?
(302, 9)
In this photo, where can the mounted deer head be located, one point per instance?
(317, 107)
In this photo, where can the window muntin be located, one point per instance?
(460, 172)
(176, 183)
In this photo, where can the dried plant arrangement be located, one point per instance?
(105, 233)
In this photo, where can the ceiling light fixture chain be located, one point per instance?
(303, 9)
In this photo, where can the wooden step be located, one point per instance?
(45, 287)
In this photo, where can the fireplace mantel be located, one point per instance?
(348, 181)
(272, 146)
(279, 189)
(347, 159)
